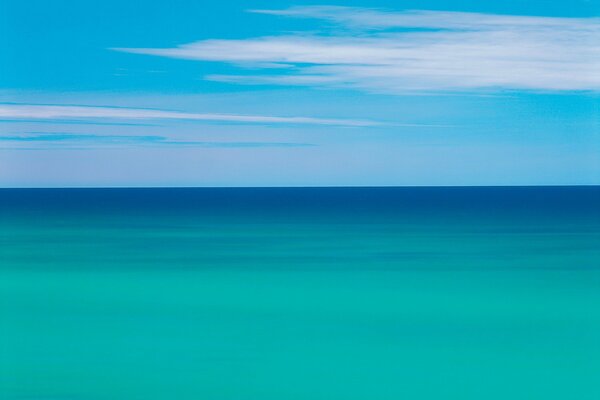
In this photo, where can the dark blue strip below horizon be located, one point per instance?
(579, 200)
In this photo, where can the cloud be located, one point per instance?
(66, 137)
(412, 51)
(62, 112)
(384, 19)
(81, 139)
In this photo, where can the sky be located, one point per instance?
(293, 93)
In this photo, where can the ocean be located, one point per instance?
(300, 293)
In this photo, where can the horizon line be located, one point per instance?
(297, 187)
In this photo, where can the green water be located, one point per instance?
(196, 304)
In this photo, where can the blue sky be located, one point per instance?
(281, 93)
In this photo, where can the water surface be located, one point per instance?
(337, 293)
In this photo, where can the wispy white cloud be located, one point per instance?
(47, 140)
(64, 112)
(408, 51)
(69, 137)
(385, 19)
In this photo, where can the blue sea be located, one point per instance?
(300, 293)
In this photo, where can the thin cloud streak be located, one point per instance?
(47, 140)
(67, 137)
(60, 112)
(373, 18)
(413, 51)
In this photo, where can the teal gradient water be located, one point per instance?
(373, 293)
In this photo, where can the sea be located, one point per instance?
(300, 293)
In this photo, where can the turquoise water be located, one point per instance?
(431, 293)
